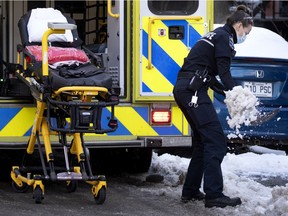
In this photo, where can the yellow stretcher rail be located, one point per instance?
(53, 28)
(151, 22)
(70, 110)
(86, 90)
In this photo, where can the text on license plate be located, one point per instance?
(259, 89)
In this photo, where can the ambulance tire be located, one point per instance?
(138, 160)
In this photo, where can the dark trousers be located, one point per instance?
(209, 143)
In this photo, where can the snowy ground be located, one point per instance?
(241, 175)
(244, 175)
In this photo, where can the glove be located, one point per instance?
(218, 90)
(217, 87)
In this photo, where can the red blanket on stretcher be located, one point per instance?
(59, 54)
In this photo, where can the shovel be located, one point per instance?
(265, 117)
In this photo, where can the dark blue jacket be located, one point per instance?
(214, 52)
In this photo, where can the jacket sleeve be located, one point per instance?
(223, 67)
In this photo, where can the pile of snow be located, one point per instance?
(172, 167)
(242, 107)
(263, 150)
(261, 43)
(239, 175)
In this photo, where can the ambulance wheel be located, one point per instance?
(138, 160)
(71, 186)
(38, 195)
(101, 196)
(20, 189)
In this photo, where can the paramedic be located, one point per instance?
(210, 56)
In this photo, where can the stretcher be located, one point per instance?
(70, 98)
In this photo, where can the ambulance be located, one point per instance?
(142, 44)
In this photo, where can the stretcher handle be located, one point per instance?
(90, 90)
(66, 26)
(78, 103)
(53, 28)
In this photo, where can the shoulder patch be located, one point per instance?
(209, 35)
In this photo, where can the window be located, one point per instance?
(169, 7)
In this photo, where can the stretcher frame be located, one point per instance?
(50, 104)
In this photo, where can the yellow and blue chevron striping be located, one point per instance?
(16, 121)
(153, 77)
(132, 121)
(167, 54)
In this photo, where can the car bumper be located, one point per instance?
(273, 132)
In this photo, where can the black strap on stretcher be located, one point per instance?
(11, 68)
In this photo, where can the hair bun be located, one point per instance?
(244, 9)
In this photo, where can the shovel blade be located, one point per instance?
(265, 117)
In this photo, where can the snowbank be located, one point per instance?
(239, 172)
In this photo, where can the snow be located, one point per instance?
(262, 43)
(244, 175)
(241, 104)
(243, 109)
(263, 150)
(241, 175)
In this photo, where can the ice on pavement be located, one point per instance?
(239, 175)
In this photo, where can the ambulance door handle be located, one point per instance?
(109, 8)
(151, 22)
(176, 32)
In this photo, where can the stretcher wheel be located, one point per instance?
(38, 195)
(20, 189)
(71, 185)
(101, 196)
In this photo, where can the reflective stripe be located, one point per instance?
(20, 124)
(167, 54)
(154, 80)
(203, 39)
(132, 121)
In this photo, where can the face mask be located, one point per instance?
(241, 39)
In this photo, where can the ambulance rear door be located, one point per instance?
(167, 30)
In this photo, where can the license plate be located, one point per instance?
(259, 89)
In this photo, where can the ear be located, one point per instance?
(238, 26)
